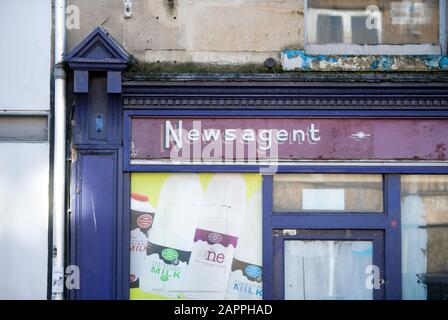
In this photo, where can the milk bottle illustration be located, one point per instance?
(171, 238)
(142, 213)
(142, 216)
(245, 282)
(216, 236)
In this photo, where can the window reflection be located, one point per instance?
(424, 211)
(373, 22)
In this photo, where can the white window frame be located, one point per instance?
(382, 49)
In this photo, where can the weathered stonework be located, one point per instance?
(225, 36)
(298, 60)
(225, 32)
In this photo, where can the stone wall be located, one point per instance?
(223, 32)
(225, 35)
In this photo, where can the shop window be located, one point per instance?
(328, 193)
(196, 236)
(424, 232)
(375, 27)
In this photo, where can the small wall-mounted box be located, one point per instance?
(128, 9)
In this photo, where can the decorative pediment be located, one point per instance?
(98, 51)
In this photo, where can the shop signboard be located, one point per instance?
(249, 139)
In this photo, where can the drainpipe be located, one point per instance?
(59, 152)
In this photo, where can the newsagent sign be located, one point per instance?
(270, 139)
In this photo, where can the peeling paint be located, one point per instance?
(432, 61)
(298, 60)
(92, 202)
(443, 63)
(440, 151)
(304, 61)
(383, 63)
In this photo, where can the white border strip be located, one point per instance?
(364, 163)
(380, 49)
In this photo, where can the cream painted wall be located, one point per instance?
(25, 57)
(24, 172)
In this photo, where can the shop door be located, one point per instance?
(329, 264)
(329, 235)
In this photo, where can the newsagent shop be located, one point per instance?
(254, 189)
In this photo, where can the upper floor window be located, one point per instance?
(375, 27)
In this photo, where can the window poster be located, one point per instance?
(196, 236)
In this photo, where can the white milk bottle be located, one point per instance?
(216, 236)
(142, 216)
(171, 238)
(245, 282)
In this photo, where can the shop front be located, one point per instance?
(255, 190)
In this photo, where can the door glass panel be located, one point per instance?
(327, 270)
(328, 193)
(424, 232)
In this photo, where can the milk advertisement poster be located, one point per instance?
(205, 236)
